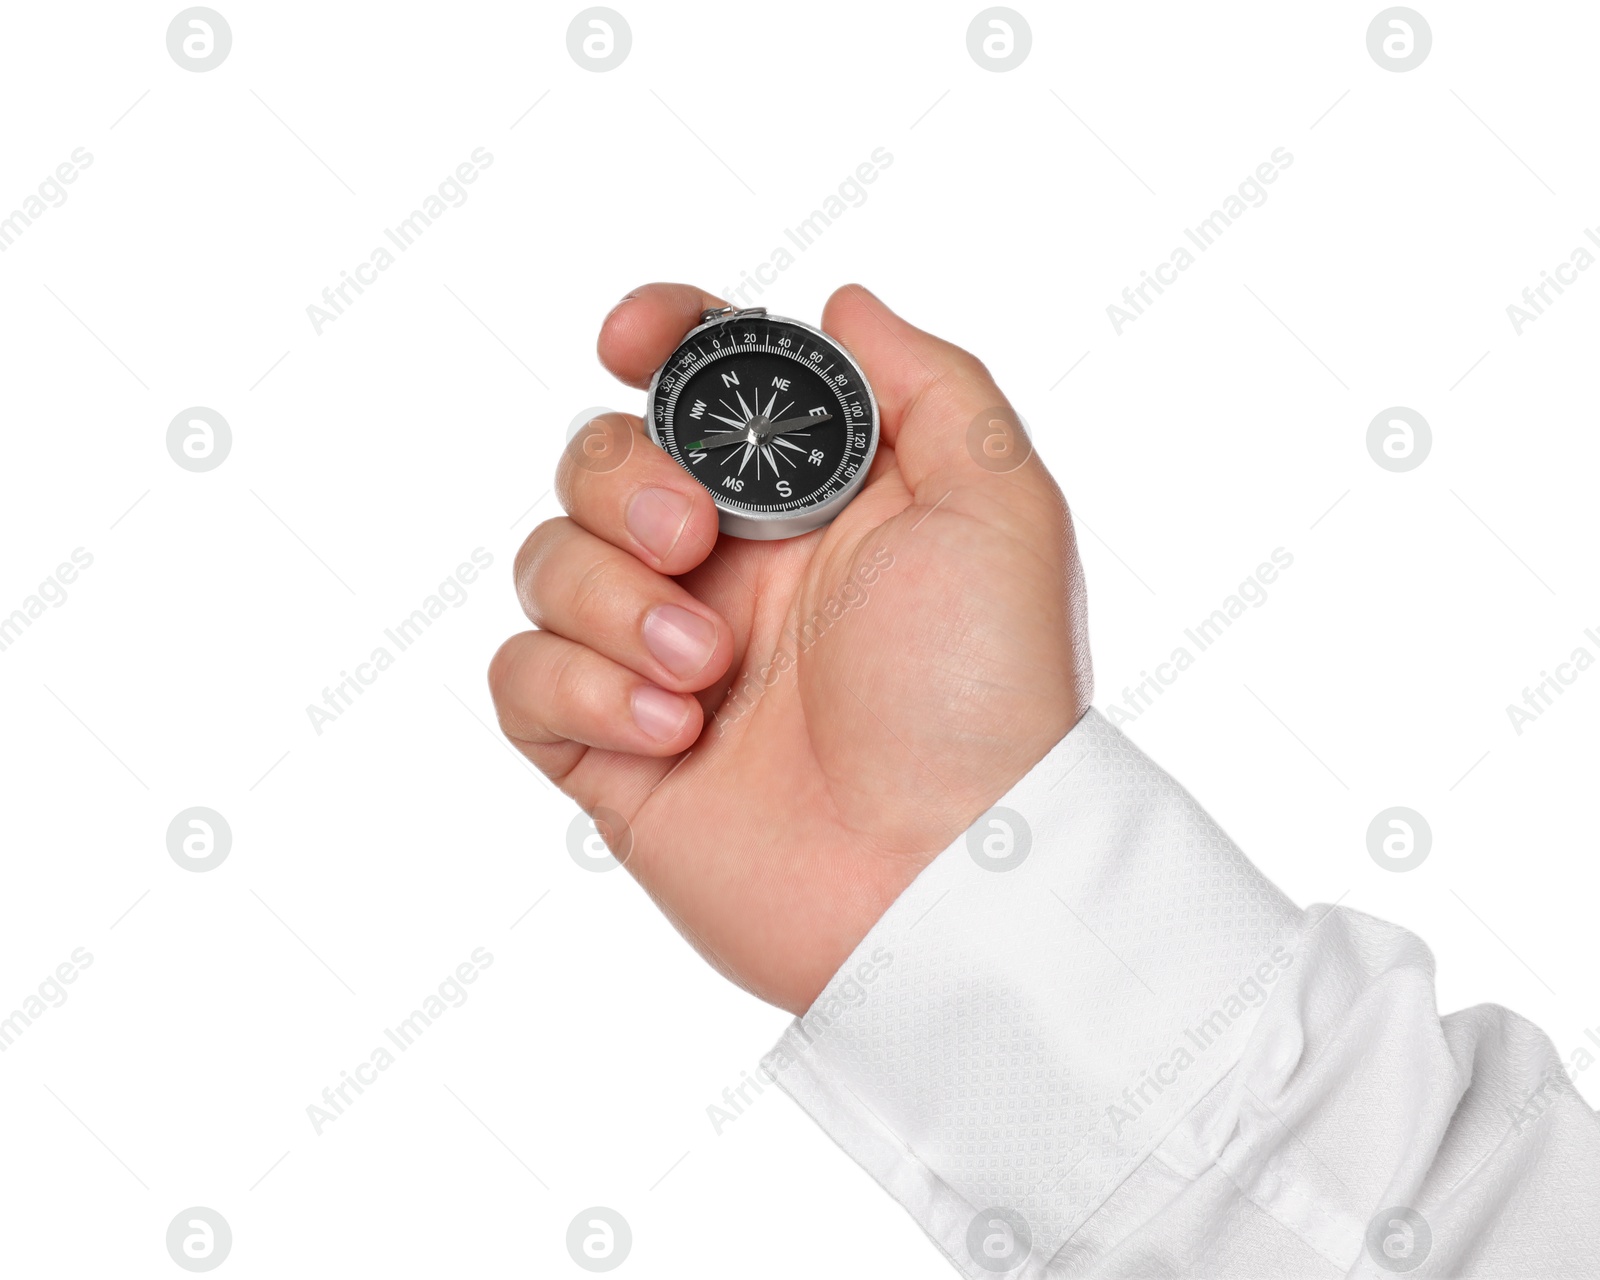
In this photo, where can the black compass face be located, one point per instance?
(771, 417)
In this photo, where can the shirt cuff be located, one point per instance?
(1043, 1004)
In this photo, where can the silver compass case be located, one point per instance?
(770, 526)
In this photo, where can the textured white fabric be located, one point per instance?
(1093, 1029)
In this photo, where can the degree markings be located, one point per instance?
(848, 398)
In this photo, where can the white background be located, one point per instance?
(367, 462)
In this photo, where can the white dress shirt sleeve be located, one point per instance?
(1092, 1040)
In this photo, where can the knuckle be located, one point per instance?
(594, 588)
(531, 570)
(569, 477)
(503, 669)
(568, 681)
(971, 365)
(598, 449)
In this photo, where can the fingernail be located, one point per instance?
(656, 517)
(659, 713)
(681, 641)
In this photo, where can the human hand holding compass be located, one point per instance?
(781, 782)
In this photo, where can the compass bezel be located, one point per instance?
(770, 526)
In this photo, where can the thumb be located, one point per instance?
(950, 426)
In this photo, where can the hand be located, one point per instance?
(850, 700)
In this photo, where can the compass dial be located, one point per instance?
(771, 416)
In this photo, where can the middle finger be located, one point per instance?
(580, 586)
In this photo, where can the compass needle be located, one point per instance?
(794, 424)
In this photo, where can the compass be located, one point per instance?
(772, 416)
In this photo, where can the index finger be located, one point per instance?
(646, 327)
